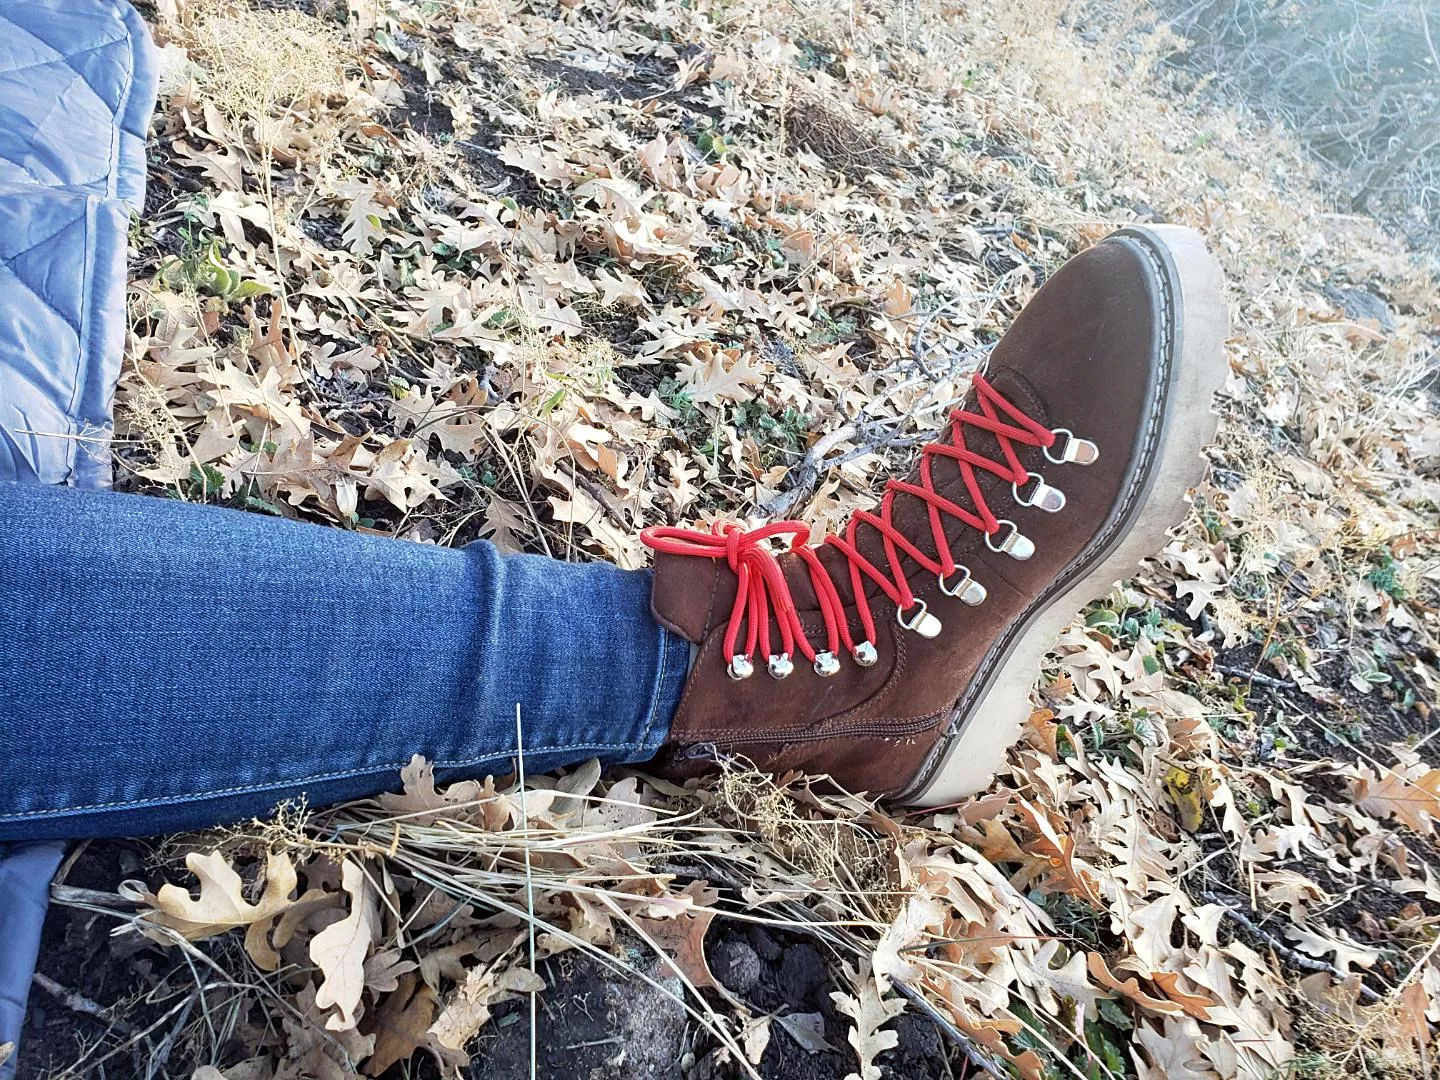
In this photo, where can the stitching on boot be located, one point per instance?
(1149, 446)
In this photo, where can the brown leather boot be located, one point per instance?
(899, 658)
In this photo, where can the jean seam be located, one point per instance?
(248, 789)
(657, 688)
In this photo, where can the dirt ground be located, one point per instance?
(594, 1021)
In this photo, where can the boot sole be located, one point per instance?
(988, 718)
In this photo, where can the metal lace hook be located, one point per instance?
(1044, 497)
(1076, 451)
(968, 590)
(1016, 544)
(922, 622)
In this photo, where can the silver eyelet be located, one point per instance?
(779, 665)
(1044, 497)
(826, 664)
(922, 622)
(1016, 544)
(741, 667)
(968, 590)
(865, 654)
(1075, 452)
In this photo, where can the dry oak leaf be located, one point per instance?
(1149, 929)
(1067, 981)
(1042, 732)
(1175, 1053)
(1130, 988)
(993, 841)
(401, 1023)
(682, 940)
(1414, 1003)
(384, 971)
(1347, 952)
(1410, 794)
(419, 796)
(1194, 1003)
(920, 919)
(871, 1013)
(222, 905)
(312, 1052)
(989, 1034)
(1063, 870)
(467, 1009)
(339, 951)
(401, 475)
(708, 381)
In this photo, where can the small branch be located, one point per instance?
(1256, 677)
(78, 1002)
(806, 474)
(601, 496)
(1308, 963)
(71, 896)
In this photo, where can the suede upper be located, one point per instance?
(1083, 355)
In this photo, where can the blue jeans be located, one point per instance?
(167, 666)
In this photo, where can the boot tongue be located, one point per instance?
(691, 596)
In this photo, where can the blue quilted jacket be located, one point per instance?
(77, 86)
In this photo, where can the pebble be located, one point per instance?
(735, 964)
(802, 969)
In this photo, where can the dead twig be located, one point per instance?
(1300, 960)
(1256, 677)
(78, 1002)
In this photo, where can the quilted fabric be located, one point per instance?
(77, 86)
(25, 872)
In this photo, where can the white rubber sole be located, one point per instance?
(996, 710)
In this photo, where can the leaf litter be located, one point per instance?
(546, 276)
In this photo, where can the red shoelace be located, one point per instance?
(763, 590)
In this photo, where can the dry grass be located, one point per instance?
(260, 63)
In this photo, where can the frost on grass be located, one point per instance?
(548, 276)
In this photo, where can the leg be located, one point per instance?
(167, 666)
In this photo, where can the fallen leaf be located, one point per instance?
(1174, 1052)
(1187, 791)
(871, 1013)
(1195, 1004)
(709, 382)
(808, 1031)
(340, 949)
(221, 905)
(1347, 953)
(682, 940)
(1130, 988)
(756, 1039)
(420, 796)
(401, 1023)
(1410, 794)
